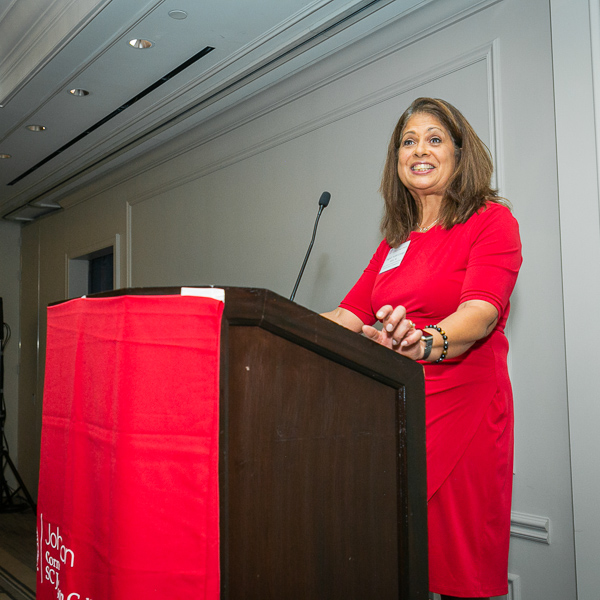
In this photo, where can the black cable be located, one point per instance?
(6, 335)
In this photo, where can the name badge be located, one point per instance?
(394, 257)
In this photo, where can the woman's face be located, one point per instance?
(425, 156)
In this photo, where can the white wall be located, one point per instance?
(233, 203)
(576, 52)
(249, 222)
(10, 275)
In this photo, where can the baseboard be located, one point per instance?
(514, 590)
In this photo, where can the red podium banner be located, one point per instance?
(128, 503)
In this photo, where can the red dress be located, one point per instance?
(469, 413)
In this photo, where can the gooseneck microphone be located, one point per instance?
(323, 202)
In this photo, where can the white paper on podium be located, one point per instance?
(215, 293)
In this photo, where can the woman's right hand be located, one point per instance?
(398, 332)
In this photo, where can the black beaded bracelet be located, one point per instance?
(444, 337)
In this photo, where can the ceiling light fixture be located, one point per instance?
(31, 211)
(141, 44)
(5, 156)
(184, 65)
(178, 14)
(35, 127)
(79, 92)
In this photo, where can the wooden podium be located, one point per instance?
(322, 475)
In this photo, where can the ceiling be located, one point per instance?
(206, 56)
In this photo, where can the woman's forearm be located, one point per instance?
(344, 317)
(473, 321)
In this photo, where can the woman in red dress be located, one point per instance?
(440, 284)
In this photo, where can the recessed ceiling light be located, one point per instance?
(36, 127)
(178, 14)
(79, 92)
(5, 156)
(141, 44)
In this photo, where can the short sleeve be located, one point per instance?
(358, 299)
(494, 259)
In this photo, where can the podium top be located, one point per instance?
(259, 307)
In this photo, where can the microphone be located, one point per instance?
(323, 202)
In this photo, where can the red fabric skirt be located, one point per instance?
(469, 515)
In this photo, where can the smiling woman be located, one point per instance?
(426, 160)
(467, 189)
(440, 284)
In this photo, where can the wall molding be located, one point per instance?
(309, 27)
(35, 38)
(530, 527)
(58, 86)
(227, 123)
(423, 28)
(352, 52)
(483, 53)
(594, 9)
(128, 245)
(514, 587)
(76, 253)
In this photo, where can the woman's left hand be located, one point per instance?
(398, 332)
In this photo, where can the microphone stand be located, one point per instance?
(323, 202)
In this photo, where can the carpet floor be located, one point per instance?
(17, 555)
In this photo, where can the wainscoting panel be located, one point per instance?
(530, 527)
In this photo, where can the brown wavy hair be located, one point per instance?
(469, 188)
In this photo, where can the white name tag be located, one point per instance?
(394, 257)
